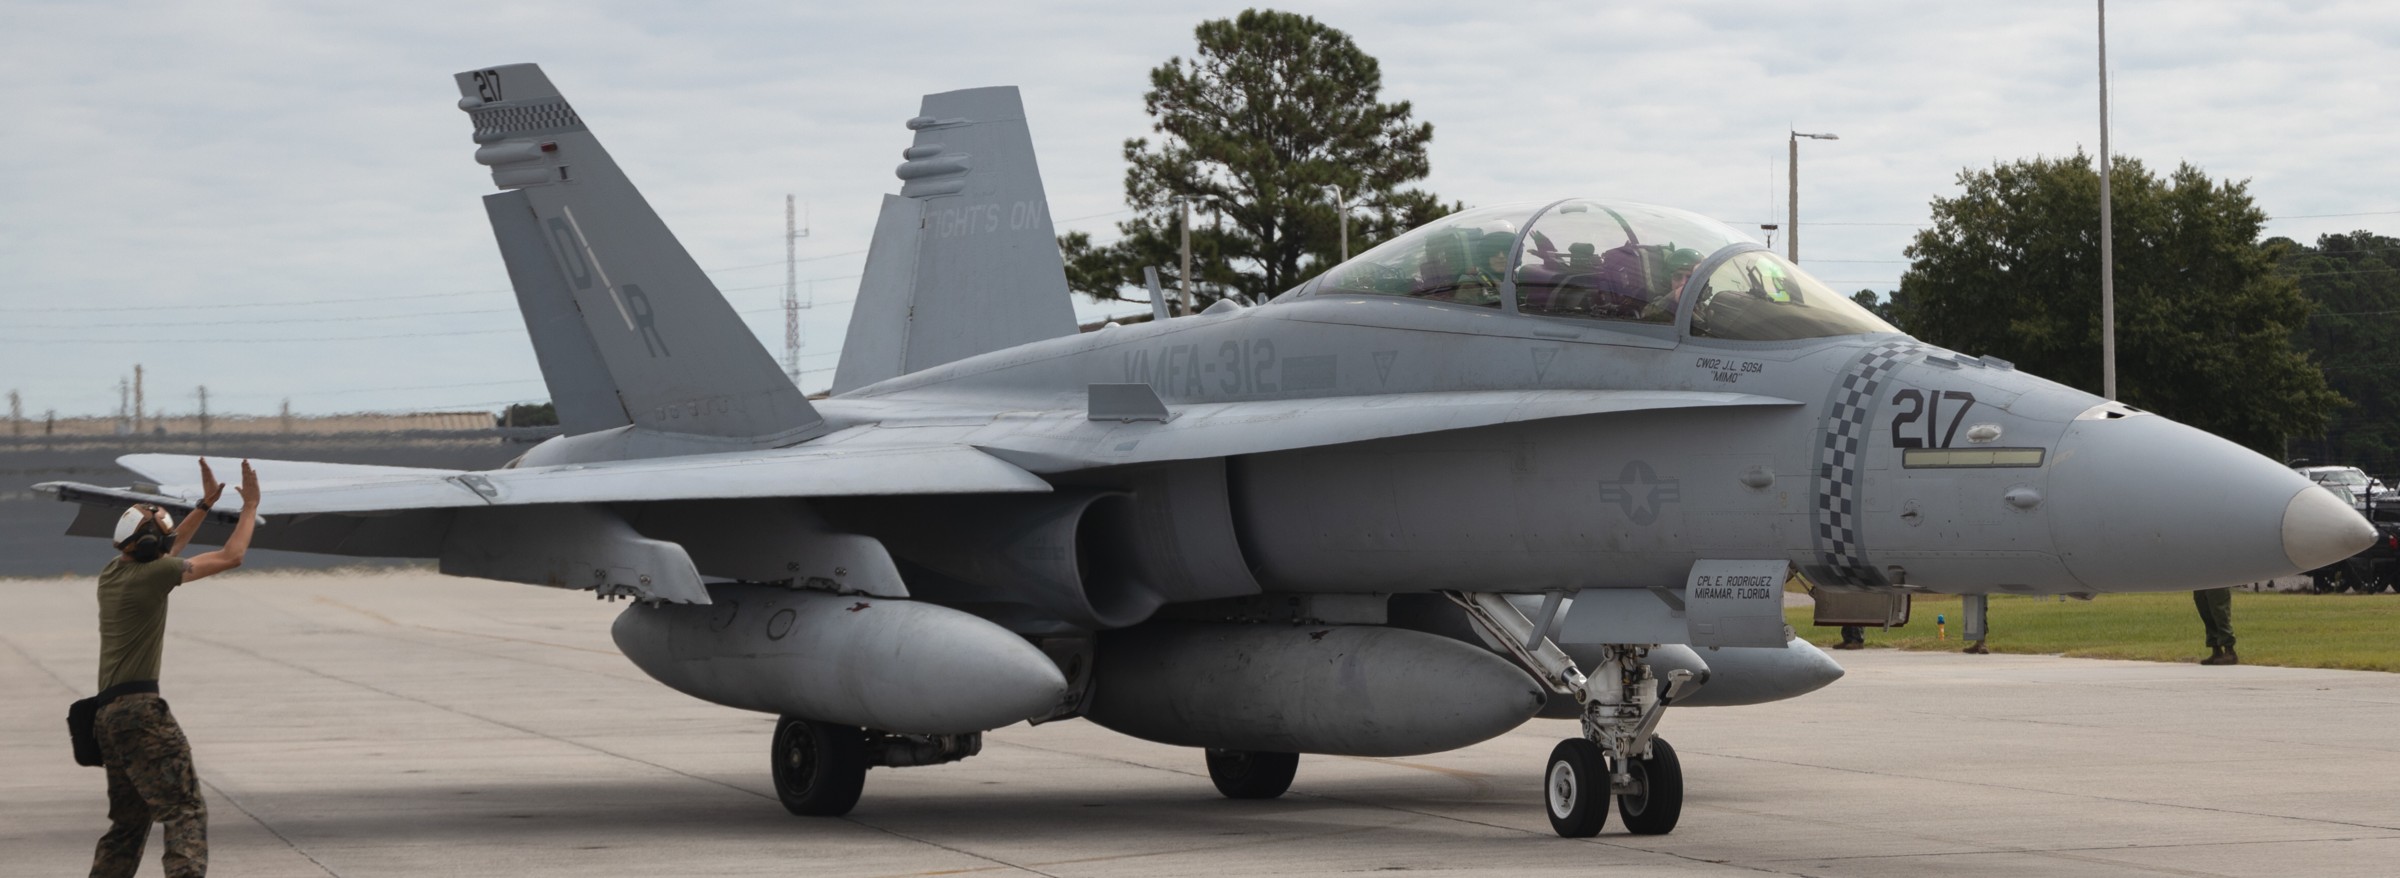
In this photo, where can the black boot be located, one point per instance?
(2221, 655)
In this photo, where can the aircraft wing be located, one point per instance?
(299, 488)
(1201, 430)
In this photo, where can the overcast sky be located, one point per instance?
(278, 199)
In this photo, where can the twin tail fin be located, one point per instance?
(627, 328)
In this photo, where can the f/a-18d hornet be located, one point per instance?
(1557, 458)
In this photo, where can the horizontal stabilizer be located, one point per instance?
(1222, 429)
(799, 472)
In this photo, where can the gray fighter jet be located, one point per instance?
(1558, 457)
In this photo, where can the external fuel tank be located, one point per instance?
(895, 665)
(1351, 690)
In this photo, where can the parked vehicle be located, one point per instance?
(2360, 486)
(2375, 569)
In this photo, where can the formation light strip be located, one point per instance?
(1919, 458)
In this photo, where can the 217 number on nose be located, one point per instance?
(1921, 406)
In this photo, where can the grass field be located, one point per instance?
(2359, 632)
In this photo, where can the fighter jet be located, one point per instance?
(1556, 457)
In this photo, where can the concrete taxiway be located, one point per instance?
(410, 724)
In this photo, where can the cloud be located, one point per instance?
(166, 156)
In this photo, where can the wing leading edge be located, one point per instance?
(298, 488)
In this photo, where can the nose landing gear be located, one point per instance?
(1620, 754)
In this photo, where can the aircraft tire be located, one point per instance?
(819, 768)
(1251, 774)
(1656, 809)
(1575, 789)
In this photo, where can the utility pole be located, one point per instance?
(287, 414)
(124, 398)
(1184, 203)
(793, 231)
(2108, 234)
(16, 414)
(137, 397)
(204, 411)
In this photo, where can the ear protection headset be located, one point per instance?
(145, 532)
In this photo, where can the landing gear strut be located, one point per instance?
(1620, 753)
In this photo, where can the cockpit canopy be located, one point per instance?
(1582, 259)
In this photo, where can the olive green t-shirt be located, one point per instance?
(133, 617)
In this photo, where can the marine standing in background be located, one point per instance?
(2216, 615)
(150, 774)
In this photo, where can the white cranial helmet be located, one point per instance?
(130, 524)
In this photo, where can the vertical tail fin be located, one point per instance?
(626, 326)
(964, 259)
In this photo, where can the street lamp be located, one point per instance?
(2108, 234)
(1341, 212)
(1183, 203)
(1791, 231)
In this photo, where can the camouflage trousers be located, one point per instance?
(150, 780)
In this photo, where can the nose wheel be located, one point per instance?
(1623, 698)
(1654, 800)
(1576, 788)
(1620, 755)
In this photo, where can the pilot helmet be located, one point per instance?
(1681, 259)
(145, 532)
(1494, 243)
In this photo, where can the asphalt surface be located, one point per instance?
(409, 724)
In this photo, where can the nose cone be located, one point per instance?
(2142, 503)
(2319, 529)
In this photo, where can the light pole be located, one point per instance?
(1341, 212)
(1791, 229)
(2108, 234)
(1183, 203)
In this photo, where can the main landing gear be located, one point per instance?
(1251, 774)
(1620, 754)
(820, 768)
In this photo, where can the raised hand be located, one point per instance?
(249, 488)
(210, 488)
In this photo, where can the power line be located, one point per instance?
(2331, 215)
(340, 319)
(354, 300)
(324, 338)
(268, 321)
(1095, 216)
(319, 338)
(288, 304)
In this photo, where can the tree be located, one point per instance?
(529, 415)
(2010, 267)
(2353, 283)
(1272, 110)
(1875, 302)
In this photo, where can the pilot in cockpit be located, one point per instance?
(1467, 267)
(1480, 283)
(1679, 263)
